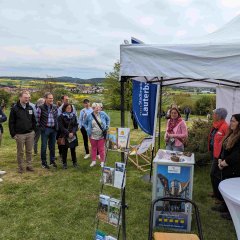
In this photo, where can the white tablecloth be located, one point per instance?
(230, 190)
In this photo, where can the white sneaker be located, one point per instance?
(86, 156)
(98, 156)
(2, 172)
(93, 163)
(102, 164)
(1, 180)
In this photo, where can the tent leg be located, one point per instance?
(160, 115)
(124, 237)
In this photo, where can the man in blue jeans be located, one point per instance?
(47, 115)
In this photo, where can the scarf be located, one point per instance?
(172, 124)
(69, 115)
(218, 124)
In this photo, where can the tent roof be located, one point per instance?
(217, 57)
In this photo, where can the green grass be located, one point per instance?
(62, 204)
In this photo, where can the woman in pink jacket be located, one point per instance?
(176, 132)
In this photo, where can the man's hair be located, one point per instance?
(62, 97)
(24, 92)
(47, 94)
(86, 100)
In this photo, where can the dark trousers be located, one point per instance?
(187, 116)
(216, 178)
(85, 139)
(65, 152)
(48, 137)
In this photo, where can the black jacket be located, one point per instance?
(43, 118)
(232, 158)
(67, 126)
(3, 118)
(21, 120)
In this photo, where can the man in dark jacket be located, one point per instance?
(22, 126)
(47, 115)
(3, 118)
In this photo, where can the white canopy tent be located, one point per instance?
(212, 61)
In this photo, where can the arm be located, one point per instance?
(75, 126)
(11, 123)
(107, 120)
(81, 119)
(38, 113)
(3, 117)
(234, 157)
(184, 131)
(61, 126)
(166, 133)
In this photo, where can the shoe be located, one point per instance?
(20, 170)
(75, 165)
(87, 156)
(98, 156)
(2, 172)
(45, 166)
(1, 180)
(29, 169)
(220, 208)
(93, 163)
(102, 164)
(64, 166)
(226, 216)
(53, 164)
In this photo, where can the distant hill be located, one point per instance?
(58, 79)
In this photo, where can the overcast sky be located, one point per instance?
(81, 38)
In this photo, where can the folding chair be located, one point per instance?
(174, 236)
(140, 155)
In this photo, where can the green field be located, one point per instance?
(62, 204)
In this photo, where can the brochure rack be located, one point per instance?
(110, 210)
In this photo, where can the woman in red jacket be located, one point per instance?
(217, 133)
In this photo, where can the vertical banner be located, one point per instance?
(144, 105)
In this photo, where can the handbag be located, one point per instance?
(104, 132)
(61, 140)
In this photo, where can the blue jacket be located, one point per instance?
(88, 122)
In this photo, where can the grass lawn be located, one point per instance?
(61, 204)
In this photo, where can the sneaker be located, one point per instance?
(98, 156)
(1, 180)
(64, 166)
(53, 164)
(93, 163)
(102, 164)
(87, 156)
(2, 172)
(220, 208)
(29, 169)
(45, 166)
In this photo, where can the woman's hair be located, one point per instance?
(40, 102)
(221, 112)
(174, 108)
(235, 135)
(95, 105)
(65, 106)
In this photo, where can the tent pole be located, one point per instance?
(160, 114)
(122, 160)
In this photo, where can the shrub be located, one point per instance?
(205, 105)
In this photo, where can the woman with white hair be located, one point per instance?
(216, 136)
(96, 125)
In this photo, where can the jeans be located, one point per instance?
(48, 136)
(172, 147)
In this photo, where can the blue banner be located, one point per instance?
(144, 104)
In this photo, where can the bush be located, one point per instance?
(198, 140)
(205, 105)
(5, 96)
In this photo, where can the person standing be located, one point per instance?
(47, 115)
(96, 124)
(187, 112)
(68, 127)
(82, 117)
(217, 133)
(3, 118)
(176, 131)
(22, 127)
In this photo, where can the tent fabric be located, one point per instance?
(199, 61)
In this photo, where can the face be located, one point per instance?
(68, 108)
(174, 114)
(97, 109)
(86, 105)
(216, 117)
(66, 99)
(24, 98)
(234, 124)
(49, 99)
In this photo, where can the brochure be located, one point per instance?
(110, 238)
(119, 174)
(114, 211)
(100, 235)
(123, 138)
(112, 138)
(103, 207)
(108, 176)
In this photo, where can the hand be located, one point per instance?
(70, 135)
(224, 164)
(15, 137)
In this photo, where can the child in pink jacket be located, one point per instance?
(176, 132)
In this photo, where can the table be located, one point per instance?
(230, 190)
(175, 179)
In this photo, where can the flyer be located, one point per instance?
(114, 211)
(119, 174)
(123, 138)
(108, 176)
(103, 207)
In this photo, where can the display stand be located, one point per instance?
(173, 177)
(111, 211)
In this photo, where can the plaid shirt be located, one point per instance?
(50, 121)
